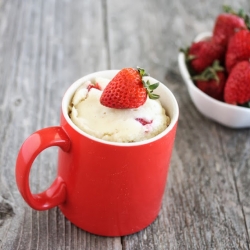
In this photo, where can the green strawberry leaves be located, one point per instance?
(210, 72)
(240, 13)
(149, 87)
(142, 71)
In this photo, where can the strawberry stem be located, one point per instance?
(210, 73)
(149, 87)
(240, 14)
(247, 21)
(188, 57)
(229, 10)
(142, 71)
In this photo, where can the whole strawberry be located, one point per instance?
(202, 54)
(212, 81)
(238, 49)
(227, 24)
(128, 90)
(237, 88)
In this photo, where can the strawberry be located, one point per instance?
(202, 54)
(237, 88)
(143, 121)
(212, 81)
(93, 85)
(128, 90)
(227, 24)
(238, 49)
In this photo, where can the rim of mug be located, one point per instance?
(106, 74)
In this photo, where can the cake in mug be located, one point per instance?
(122, 109)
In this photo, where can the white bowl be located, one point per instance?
(223, 113)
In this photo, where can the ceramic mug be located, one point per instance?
(105, 188)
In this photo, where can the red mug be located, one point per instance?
(105, 188)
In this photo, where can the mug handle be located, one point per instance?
(31, 148)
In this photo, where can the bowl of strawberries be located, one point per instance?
(216, 70)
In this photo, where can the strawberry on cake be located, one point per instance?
(122, 109)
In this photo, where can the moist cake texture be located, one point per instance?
(116, 125)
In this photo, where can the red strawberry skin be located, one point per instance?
(237, 88)
(143, 121)
(205, 53)
(95, 86)
(125, 90)
(212, 87)
(238, 49)
(225, 27)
